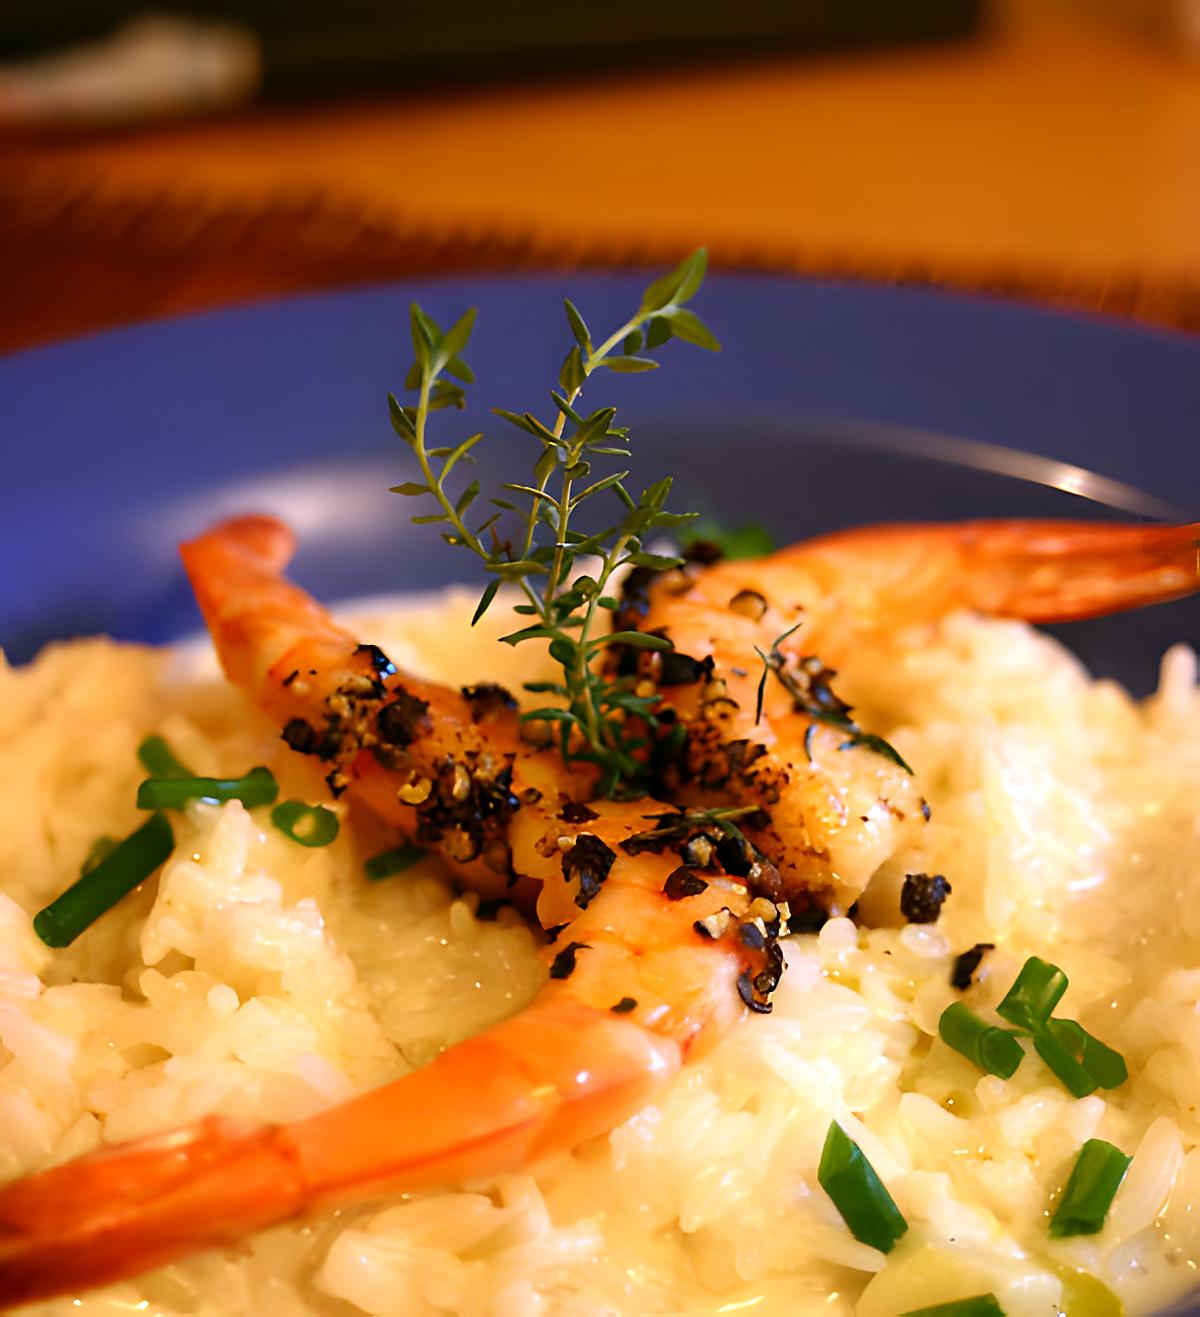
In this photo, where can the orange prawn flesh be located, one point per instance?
(837, 800)
(446, 767)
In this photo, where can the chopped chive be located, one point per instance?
(131, 862)
(979, 1305)
(387, 863)
(1082, 1062)
(1066, 1067)
(158, 759)
(100, 849)
(993, 1050)
(1093, 1183)
(257, 787)
(858, 1193)
(1035, 993)
(310, 825)
(1105, 1066)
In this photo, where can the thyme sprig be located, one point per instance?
(809, 682)
(602, 719)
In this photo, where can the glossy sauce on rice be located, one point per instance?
(264, 980)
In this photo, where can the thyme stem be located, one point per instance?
(435, 484)
(592, 360)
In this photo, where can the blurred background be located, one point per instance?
(160, 156)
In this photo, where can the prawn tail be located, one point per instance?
(540, 1082)
(1040, 571)
(1048, 571)
(135, 1206)
(259, 621)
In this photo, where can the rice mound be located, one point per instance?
(263, 980)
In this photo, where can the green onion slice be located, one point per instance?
(1105, 1066)
(257, 787)
(979, 1305)
(1094, 1181)
(310, 825)
(129, 863)
(994, 1050)
(1035, 993)
(1065, 1065)
(387, 863)
(158, 759)
(858, 1193)
(100, 849)
(1081, 1061)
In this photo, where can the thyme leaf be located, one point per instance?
(678, 825)
(809, 682)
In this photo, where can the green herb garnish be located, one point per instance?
(131, 862)
(1037, 990)
(678, 825)
(310, 825)
(808, 682)
(602, 719)
(393, 861)
(1080, 1061)
(257, 787)
(979, 1305)
(158, 759)
(749, 540)
(1068, 1069)
(1094, 1181)
(776, 662)
(1105, 1066)
(99, 850)
(858, 1193)
(993, 1050)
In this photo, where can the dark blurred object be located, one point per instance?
(303, 48)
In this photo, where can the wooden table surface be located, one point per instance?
(1044, 158)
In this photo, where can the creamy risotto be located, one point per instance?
(264, 980)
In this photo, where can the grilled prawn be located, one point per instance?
(836, 800)
(662, 923)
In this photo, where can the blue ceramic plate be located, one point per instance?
(832, 404)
